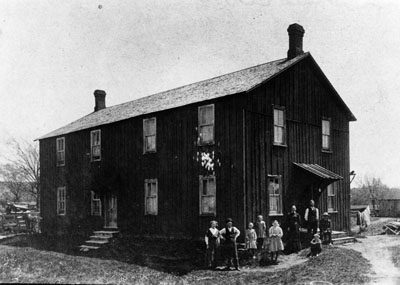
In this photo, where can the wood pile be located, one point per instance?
(392, 228)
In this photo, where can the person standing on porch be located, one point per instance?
(261, 228)
(312, 217)
(229, 235)
(293, 222)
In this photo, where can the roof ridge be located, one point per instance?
(189, 84)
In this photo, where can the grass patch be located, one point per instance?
(138, 261)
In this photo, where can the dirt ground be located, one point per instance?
(383, 252)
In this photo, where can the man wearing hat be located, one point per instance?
(229, 235)
(325, 228)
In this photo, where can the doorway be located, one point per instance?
(111, 211)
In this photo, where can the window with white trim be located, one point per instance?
(275, 194)
(61, 200)
(279, 126)
(326, 134)
(331, 191)
(149, 135)
(95, 204)
(208, 187)
(206, 124)
(151, 196)
(95, 144)
(60, 146)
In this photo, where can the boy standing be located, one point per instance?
(212, 242)
(261, 228)
(325, 227)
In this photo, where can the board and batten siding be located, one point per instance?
(124, 167)
(306, 99)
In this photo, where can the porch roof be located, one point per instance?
(319, 171)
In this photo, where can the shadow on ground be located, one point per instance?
(178, 257)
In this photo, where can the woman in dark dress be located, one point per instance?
(293, 222)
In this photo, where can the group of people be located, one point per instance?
(257, 237)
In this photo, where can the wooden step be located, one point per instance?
(338, 234)
(110, 233)
(97, 241)
(343, 240)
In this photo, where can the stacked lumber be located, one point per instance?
(392, 228)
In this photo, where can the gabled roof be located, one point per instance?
(228, 84)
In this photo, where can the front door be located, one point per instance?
(111, 211)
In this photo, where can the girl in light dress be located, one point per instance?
(276, 245)
(251, 240)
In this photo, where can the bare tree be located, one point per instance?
(13, 182)
(22, 170)
(369, 191)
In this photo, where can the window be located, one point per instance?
(61, 199)
(207, 189)
(60, 145)
(275, 194)
(95, 204)
(206, 124)
(151, 195)
(279, 126)
(331, 189)
(326, 134)
(95, 143)
(149, 135)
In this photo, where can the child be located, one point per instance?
(275, 234)
(251, 238)
(315, 246)
(325, 227)
(212, 242)
(260, 231)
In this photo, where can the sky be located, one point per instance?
(54, 54)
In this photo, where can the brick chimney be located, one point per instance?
(100, 100)
(296, 33)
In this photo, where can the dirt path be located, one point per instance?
(382, 251)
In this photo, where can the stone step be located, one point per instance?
(87, 247)
(97, 241)
(343, 240)
(101, 237)
(110, 233)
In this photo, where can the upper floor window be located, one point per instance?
(60, 145)
(326, 134)
(95, 204)
(95, 144)
(149, 135)
(331, 189)
(279, 126)
(275, 194)
(151, 196)
(208, 191)
(61, 200)
(206, 124)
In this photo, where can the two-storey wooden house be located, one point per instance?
(255, 141)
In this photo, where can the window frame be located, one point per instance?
(61, 201)
(59, 152)
(145, 150)
(279, 195)
(200, 125)
(147, 196)
(97, 145)
(331, 196)
(276, 125)
(202, 178)
(93, 202)
(329, 135)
